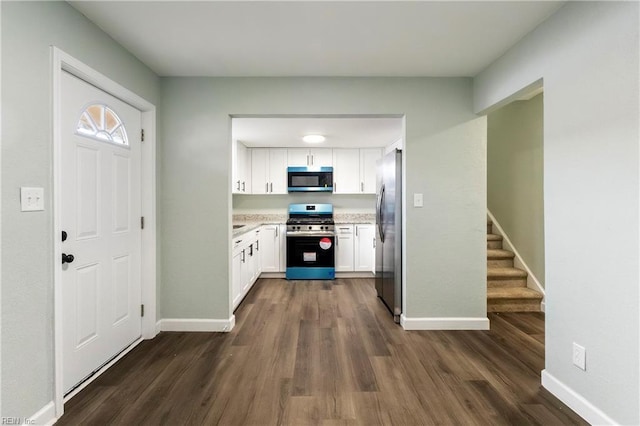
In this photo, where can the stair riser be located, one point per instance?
(500, 263)
(507, 283)
(489, 229)
(494, 244)
(513, 307)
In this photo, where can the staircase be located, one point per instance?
(507, 286)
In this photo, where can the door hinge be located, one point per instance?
(141, 310)
(142, 222)
(142, 135)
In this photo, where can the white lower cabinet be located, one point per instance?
(270, 251)
(364, 248)
(344, 248)
(246, 264)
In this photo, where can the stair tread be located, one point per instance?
(499, 253)
(494, 237)
(513, 293)
(506, 273)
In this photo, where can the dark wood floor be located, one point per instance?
(328, 353)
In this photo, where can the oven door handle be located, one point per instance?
(310, 234)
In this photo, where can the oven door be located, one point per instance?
(310, 256)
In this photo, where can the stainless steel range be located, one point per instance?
(310, 242)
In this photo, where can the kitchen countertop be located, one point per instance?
(253, 221)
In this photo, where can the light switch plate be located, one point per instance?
(31, 199)
(579, 356)
(417, 200)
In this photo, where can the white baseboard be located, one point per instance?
(575, 401)
(532, 282)
(45, 416)
(158, 326)
(444, 323)
(196, 324)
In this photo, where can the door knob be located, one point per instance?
(67, 258)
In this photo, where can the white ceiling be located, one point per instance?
(317, 38)
(358, 132)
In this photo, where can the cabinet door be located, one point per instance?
(236, 286)
(278, 171)
(364, 250)
(259, 170)
(298, 157)
(368, 169)
(346, 171)
(244, 169)
(257, 253)
(270, 248)
(344, 248)
(249, 266)
(321, 157)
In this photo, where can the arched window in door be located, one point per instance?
(100, 122)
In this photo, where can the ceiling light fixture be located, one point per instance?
(313, 138)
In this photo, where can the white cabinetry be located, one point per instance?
(246, 264)
(268, 171)
(346, 171)
(364, 250)
(368, 169)
(270, 248)
(240, 169)
(344, 248)
(310, 157)
(354, 170)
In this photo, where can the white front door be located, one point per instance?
(100, 214)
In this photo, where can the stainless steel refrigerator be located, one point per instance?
(389, 232)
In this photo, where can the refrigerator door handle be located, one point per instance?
(380, 213)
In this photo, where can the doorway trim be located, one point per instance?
(61, 61)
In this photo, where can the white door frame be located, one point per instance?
(62, 61)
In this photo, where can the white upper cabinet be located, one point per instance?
(368, 169)
(268, 171)
(309, 157)
(240, 169)
(346, 171)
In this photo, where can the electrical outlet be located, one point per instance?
(417, 200)
(579, 356)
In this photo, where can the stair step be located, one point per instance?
(494, 241)
(489, 228)
(499, 258)
(513, 300)
(506, 277)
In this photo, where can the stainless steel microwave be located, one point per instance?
(310, 179)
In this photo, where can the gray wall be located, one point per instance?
(515, 177)
(445, 154)
(588, 55)
(28, 29)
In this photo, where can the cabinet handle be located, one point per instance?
(308, 164)
(251, 250)
(243, 256)
(239, 241)
(356, 231)
(335, 186)
(312, 159)
(243, 190)
(257, 245)
(238, 185)
(361, 186)
(277, 230)
(266, 187)
(271, 187)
